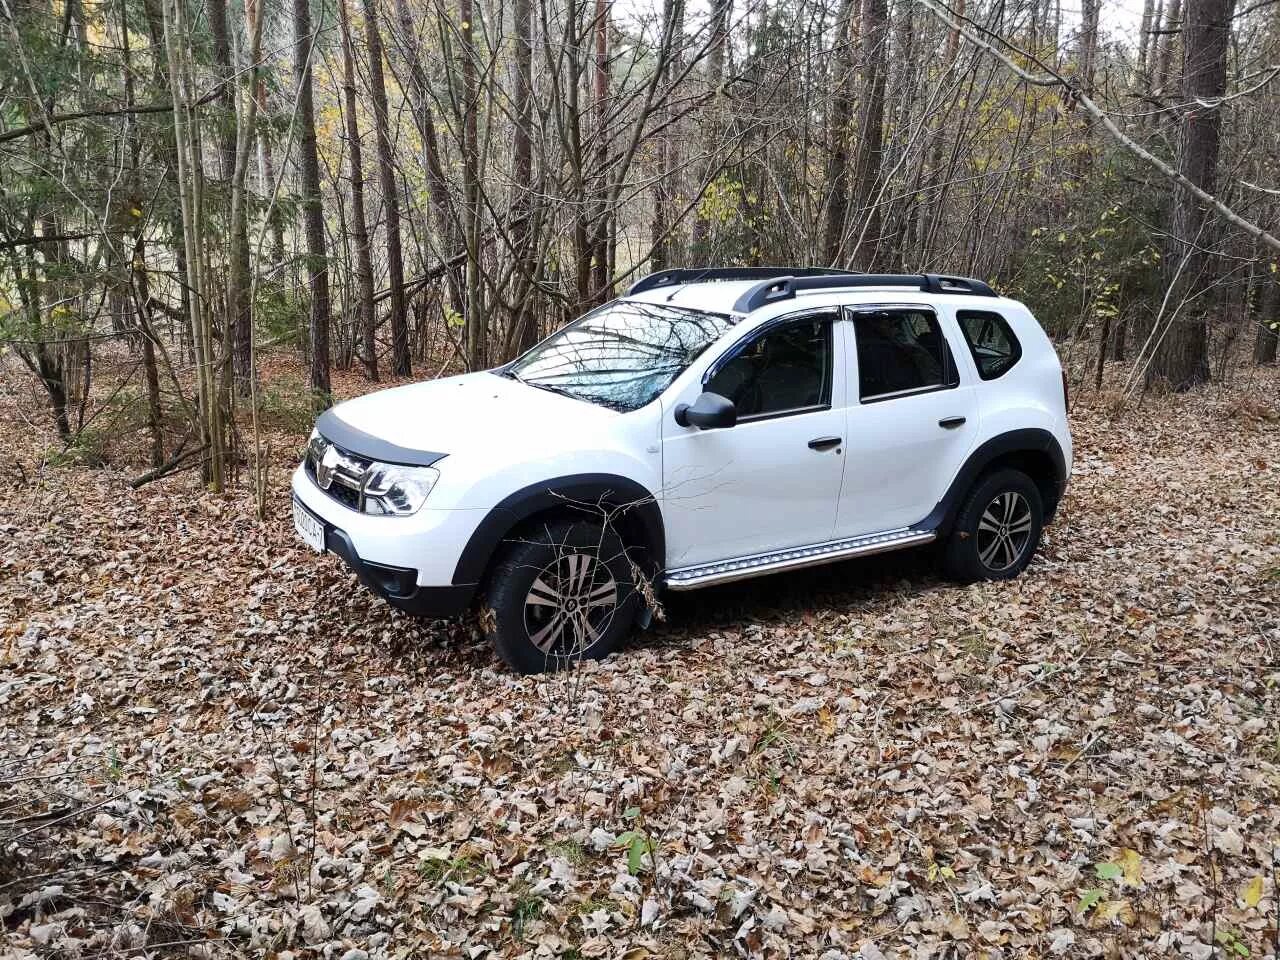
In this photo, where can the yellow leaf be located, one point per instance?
(1252, 892)
(1131, 864)
(1116, 911)
(135, 211)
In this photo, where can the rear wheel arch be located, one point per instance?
(620, 502)
(1031, 450)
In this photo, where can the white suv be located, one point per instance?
(709, 426)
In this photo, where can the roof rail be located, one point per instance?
(670, 278)
(786, 287)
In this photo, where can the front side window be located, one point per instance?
(901, 351)
(991, 341)
(621, 356)
(786, 369)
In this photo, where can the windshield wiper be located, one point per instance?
(551, 388)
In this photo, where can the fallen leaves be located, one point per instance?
(253, 755)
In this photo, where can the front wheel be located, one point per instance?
(560, 593)
(997, 529)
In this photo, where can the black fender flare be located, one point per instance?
(1027, 440)
(582, 492)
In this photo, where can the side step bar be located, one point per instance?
(794, 558)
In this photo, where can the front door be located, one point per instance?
(772, 481)
(911, 420)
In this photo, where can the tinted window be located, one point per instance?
(991, 341)
(786, 369)
(900, 350)
(622, 355)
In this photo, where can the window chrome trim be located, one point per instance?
(733, 349)
(951, 366)
(832, 316)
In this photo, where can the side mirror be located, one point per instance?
(709, 412)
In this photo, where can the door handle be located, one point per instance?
(824, 443)
(950, 423)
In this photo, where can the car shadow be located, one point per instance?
(835, 587)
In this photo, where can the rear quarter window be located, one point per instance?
(992, 342)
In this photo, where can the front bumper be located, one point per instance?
(408, 561)
(399, 585)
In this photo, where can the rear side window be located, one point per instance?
(991, 341)
(901, 351)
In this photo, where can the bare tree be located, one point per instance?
(317, 264)
(400, 360)
(360, 229)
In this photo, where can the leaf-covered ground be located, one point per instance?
(213, 741)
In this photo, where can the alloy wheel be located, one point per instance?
(1004, 530)
(570, 604)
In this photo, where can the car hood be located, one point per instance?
(455, 414)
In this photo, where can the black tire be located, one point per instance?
(549, 603)
(980, 549)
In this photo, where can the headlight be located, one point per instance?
(391, 490)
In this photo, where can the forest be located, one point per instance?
(219, 217)
(403, 189)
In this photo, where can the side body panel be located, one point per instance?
(901, 458)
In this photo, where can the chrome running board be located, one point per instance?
(794, 558)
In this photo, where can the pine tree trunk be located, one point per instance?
(359, 227)
(401, 363)
(1182, 355)
(317, 266)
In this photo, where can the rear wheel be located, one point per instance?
(561, 593)
(997, 529)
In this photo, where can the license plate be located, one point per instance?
(310, 527)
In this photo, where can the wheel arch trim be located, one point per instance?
(583, 493)
(1032, 440)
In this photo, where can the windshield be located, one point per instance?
(622, 355)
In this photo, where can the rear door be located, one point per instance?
(911, 420)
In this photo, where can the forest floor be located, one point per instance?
(213, 741)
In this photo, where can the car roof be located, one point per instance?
(719, 296)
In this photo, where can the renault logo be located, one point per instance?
(325, 467)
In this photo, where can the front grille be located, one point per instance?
(344, 470)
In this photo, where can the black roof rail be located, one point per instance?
(785, 288)
(670, 278)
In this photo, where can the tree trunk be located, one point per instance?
(476, 325)
(1144, 44)
(601, 277)
(238, 315)
(443, 213)
(719, 27)
(401, 363)
(1268, 338)
(836, 181)
(360, 230)
(1182, 355)
(1168, 40)
(668, 154)
(312, 205)
(866, 185)
(524, 321)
